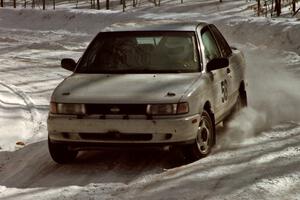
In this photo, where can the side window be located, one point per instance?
(225, 48)
(211, 49)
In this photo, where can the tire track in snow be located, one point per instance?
(28, 103)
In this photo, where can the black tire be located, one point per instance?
(60, 152)
(243, 95)
(238, 106)
(204, 140)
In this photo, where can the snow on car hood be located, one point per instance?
(124, 88)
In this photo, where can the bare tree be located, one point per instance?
(1, 3)
(272, 8)
(278, 7)
(294, 6)
(258, 7)
(124, 5)
(297, 11)
(98, 4)
(107, 4)
(92, 4)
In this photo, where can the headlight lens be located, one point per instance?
(167, 109)
(67, 108)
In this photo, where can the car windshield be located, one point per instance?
(141, 52)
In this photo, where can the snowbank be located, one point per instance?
(256, 157)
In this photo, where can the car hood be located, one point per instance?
(124, 88)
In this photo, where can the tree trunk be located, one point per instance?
(92, 4)
(44, 4)
(258, 7)
(296, 11)
(278, 7)
(266, 11)
(1, 3)
(15, 4)
(294, 6)
(124, 5)
(272, 8)
(53, 4)
(107, 4)
(98, 4)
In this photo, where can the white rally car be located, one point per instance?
(160, 84)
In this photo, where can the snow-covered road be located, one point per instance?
(258, 156)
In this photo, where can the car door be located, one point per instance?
(219, 76)
(226, 52)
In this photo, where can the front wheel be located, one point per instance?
(60, 152)
(204, 139)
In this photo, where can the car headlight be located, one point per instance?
(67, 108)
(167, 109)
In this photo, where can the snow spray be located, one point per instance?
(273, 93)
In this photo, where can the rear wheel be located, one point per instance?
(60, 152)
(204, 139)
(238, 105)
(241, 103)
(243, 95)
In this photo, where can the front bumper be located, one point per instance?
(116, 131)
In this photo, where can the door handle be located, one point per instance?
(228, 70)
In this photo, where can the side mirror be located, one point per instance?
(68, 64)
(217, 63)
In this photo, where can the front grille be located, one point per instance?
(116, 109)
(116, 136)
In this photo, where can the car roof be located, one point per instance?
(155, 25)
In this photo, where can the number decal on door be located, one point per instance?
(224, 91)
